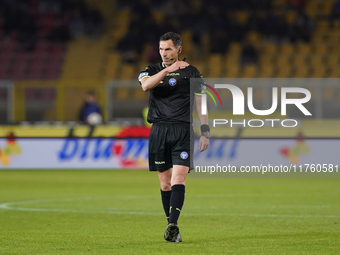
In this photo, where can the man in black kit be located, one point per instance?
(170, 111)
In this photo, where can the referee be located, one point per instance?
(170, 111)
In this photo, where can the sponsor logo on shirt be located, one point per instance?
(159, 162)
(173, 74)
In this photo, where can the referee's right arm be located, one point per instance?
(152, 81)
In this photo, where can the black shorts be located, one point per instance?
(169, 145)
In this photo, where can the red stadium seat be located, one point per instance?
(47, 94)
(52, 72)
(42, 46)
(18, 73)
(35, 73)
(30, 94)
(3, 94)
(3, 72)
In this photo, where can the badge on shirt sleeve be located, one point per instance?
(142, 75)
(203, 88)
(172, 82)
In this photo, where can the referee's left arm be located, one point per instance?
(203, 118)
(204, 140)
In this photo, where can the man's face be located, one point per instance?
(90, 98)
(167, 50)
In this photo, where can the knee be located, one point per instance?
(178, 180)
(166, 186)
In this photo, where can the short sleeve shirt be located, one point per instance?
(171, 100)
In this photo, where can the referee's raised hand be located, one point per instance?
(177, 65)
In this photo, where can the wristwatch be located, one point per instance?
(206, 134)
(205, 130)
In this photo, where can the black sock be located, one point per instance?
(166, 202)
(176, 202)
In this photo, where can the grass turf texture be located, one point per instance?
(120, 212)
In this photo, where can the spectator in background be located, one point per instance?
(335, 14)
(216, 19)
(77, 25)
(130, 45)
(49, 6)
(150, 29)
(255, 22)
(60, 33)
(302, 28)
(202, 17)
(93, 23)
(263, 5)
(270, 26)
(89, 107)
(236, 31)
(12, 19)
(153, 55)
(142, 7)
(169, 23)
(198, 46)
(219, 42)
(174, 7)
(28, 21)
(27, 33)
(282, 30)
(249, 54)
(199, 28)
(297, 5)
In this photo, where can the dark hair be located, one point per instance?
(91, 93)
(176, 38)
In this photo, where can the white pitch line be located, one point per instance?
(9, 206)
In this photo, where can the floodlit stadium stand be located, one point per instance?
(228, 39)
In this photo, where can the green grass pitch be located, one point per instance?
(120, 212)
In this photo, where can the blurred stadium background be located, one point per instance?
(53, 51)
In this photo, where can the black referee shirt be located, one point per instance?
(169, 101)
